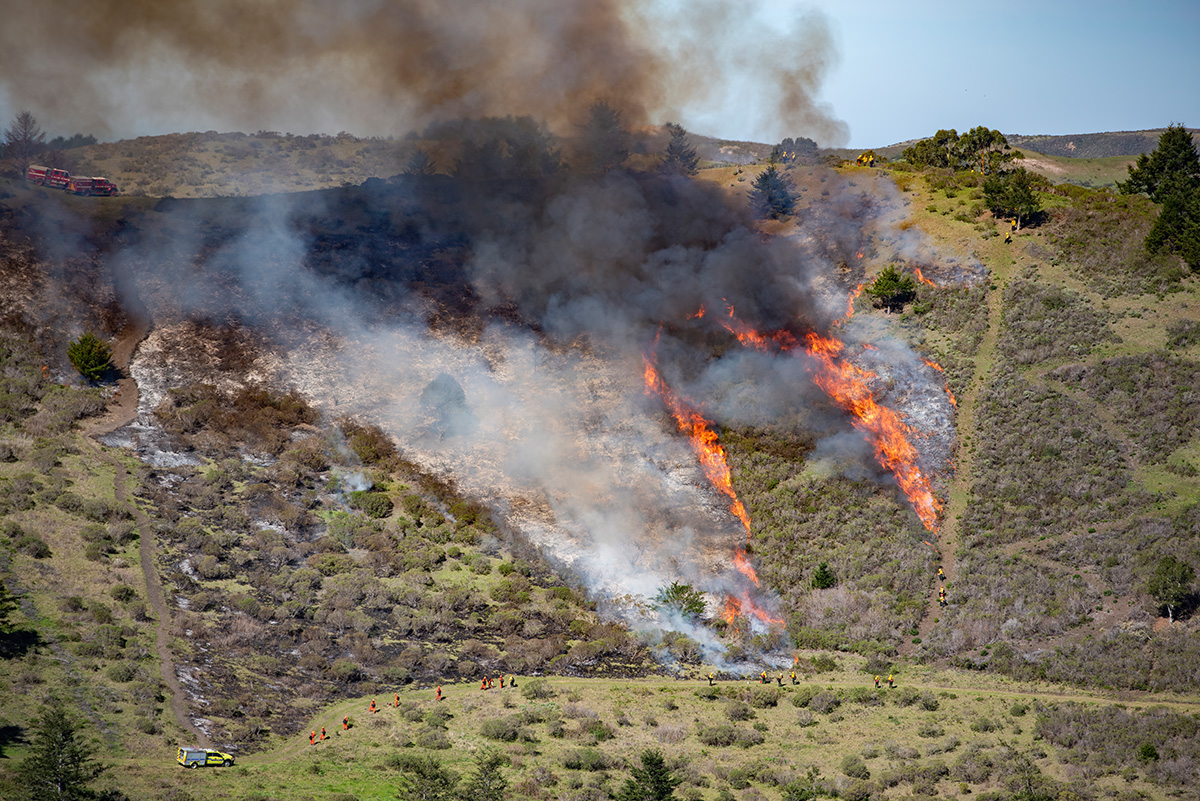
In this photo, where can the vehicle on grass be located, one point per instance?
(195, 757)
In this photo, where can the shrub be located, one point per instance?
(824, 702)
(738, 710)
(90, 356)
(853, 766)
(537, 689)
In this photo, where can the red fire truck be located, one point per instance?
(47, 176)
(80, 185)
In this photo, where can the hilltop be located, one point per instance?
(284, 502)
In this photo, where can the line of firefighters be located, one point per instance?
(765, 678)
(486, 683)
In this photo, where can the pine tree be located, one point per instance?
(651, 782)
(1173, 166)
(487, 783)
(23, 140)
(771, 196)
(892, 289)
(605, 143)
(680, 157)
(419, 164)
(90, 356)
(1171, 176)
(59, 767)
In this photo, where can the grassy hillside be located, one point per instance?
(267, 570)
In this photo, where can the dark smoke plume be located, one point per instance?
(128, 67)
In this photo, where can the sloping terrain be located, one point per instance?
(328, 503)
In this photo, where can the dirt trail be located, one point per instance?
(960, 488)
(122, 411)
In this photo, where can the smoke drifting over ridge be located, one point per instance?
(129, 67)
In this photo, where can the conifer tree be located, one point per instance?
(771, 196)
(680, 157)
(59, 767)
(651, 782)
(90, 356)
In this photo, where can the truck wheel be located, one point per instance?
(193, 765)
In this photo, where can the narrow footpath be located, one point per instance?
(961, 485)
(122, 411)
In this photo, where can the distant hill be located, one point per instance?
(1093, 145)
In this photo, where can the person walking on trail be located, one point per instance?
(439, 692)
(763, 677)
(372, 708)
(941, 576)
(512, 680)
(501, 681)
(483, 683)
(345, 722)
(324, 736)
(793, 677)
(891, 680)
(779, 678)
(312, 737)
(397, 704)
(711, 679)
(877, 682)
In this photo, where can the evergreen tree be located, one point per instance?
(1012, 194)
(90, 356)
(823, 577)
(419, 164)
(1174, 166)
(23, 140)
(683, 598)
(1171, 176)
(771, 196)
(424, 778)
(891, 290)
(680, 157)
(651, 782)
(487, 783)
(58, 767)
(605, 142)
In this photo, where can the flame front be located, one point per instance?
(849, 387)
(921, 277)
(711, 454)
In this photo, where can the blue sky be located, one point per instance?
(908, 67)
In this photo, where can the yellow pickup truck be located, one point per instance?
(195, 757)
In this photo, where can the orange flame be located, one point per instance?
(849, 387)
(716, 469)
(921, 277)
(699, 314)
(733, 608)
(940, 369)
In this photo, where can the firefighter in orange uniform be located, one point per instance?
(501, 681)
(312, 737)
(345, 722)
(439, 692)
(324, 736)
(372, 708)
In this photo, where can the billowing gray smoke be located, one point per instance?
(496, 326)
(129, 67)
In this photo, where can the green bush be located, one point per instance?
(853, 766)
(90, 356)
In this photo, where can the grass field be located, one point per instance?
(926, 735)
